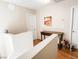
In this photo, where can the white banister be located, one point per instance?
(49, 44)
(22, 42)
(6, 46)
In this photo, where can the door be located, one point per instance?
(31, 24)
(75, 27)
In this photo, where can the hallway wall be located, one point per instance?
(61, 17)
(13, 17)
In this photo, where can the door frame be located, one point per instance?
(72, 22)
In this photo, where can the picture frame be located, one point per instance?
(48, 21)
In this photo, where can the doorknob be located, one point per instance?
(73, 31)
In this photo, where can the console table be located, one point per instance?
(48, 33)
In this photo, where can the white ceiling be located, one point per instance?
(31, 4)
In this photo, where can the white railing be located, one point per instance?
(47, 49)
(21, 43)
(6, 46)
(20, 46)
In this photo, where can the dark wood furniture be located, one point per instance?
(48, 33)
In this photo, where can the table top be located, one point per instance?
(51, 32)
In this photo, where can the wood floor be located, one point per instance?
(62, 54)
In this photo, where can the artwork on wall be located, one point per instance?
(48, 21)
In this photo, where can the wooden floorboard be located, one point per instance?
(37, 41)
(62, 54)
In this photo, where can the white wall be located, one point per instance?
(13, 20)
(61, 17)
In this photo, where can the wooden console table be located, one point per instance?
(48, 33)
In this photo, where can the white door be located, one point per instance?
(31, 24)
(75, 27)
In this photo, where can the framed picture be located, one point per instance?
(48, 21)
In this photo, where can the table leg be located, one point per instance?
(41, 37)
(44, 36)
(60, 40)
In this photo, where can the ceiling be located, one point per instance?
(31, 4)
